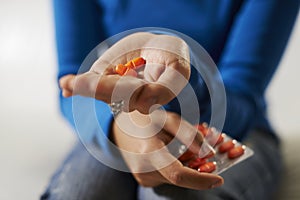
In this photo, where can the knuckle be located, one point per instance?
(145, 183)
(145, 148)
(175, 177)
(181, 41)
(142, 180)
(84, 83)
(91, 86)
(138, 94)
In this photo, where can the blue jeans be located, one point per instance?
(81, 177)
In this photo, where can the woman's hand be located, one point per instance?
(150, 161)
(166, 72)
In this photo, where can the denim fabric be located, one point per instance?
(254, 179)
(81, 177)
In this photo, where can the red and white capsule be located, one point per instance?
(208, 167)
(202, 128)
(236, 152)
(220, 139)
(196, 163)
(186, 156)
(226, 146)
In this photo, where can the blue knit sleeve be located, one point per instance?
(79, 29)
(252, 53)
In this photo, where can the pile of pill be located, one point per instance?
(131, 67)
(228, 152)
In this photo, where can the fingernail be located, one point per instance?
(216, 184)
(66, 93)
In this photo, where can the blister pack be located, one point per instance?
(226, 152)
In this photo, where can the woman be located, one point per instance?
(246, 40)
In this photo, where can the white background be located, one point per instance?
(34, 138)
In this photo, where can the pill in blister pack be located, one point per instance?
(227, 152)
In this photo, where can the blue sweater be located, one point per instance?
(246, 39)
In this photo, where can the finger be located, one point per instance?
(176, 76)
(184, 132)
(66, 93)
(66, 84)
(84, 84)
(150, 179)
(136, 93)
(141, 95)
(161, 92)
(182, 176)
(108, 88)
(149, 95)
(189, 178)
(88, 84)
(173, 53)
(102, 87)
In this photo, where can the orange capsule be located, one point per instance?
(202, 129)
(129, 65)
(132, 64)
(236, 152)
(138, 62)
(121, 69)
(226, 146)
(214, 137)
(188, 155)
(207, 167)
(196, 163)
(220, 139)
(209, 155)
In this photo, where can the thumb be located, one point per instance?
(89, 84)
(106, 88)
(66, 84)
